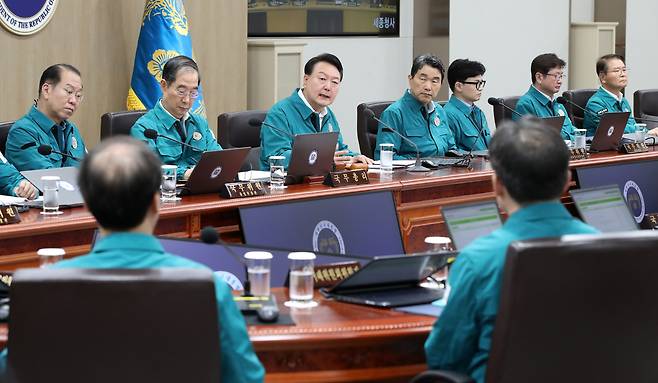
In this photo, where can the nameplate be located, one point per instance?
(9, 215)
(635, 147)
(243, 189)
(347, 177)
(329, 275)
(578, 154)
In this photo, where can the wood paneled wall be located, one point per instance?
(99, 38)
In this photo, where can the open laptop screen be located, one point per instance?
(467, 222)
(636, 180)
(361, 224)
(604, 208)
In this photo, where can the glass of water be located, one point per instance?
(640, 132)
(439, 245)
(50, 188)
(277, 172)
(168, 183)
(258, 272)
(301, 280)
(579, 140)
(386, 157)
(49, 256)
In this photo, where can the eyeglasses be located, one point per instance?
(71, 93)
(479, 85)
(558, 76)
(618, 71)
(182, 93)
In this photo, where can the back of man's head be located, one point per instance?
(118, 180)
(530, 159)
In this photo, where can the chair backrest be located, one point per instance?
(366, 128)
(501, 113)
(580, 98)
(105, 325)
(115, 123)
(242, 129)
(580, 310)
(645, 104)
(4, 132)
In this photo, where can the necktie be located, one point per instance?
(60, 138)
(181, 130)
(315, 120)
(550, 107)
(423, 111)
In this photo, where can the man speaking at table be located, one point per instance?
(531, 172)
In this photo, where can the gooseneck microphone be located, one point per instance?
(46, 150)
(256, 122)
(499, 101)
(153, 134)
(564, 102)
(417, 166)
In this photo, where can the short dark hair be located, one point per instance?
(530, 159)
(461, 69)
(53, 74)
(602, 63)
(544, 63)
(118, 179)
(175, 64)
(327, 58)
(427, 59)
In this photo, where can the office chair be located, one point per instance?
(4, 132)
(578, 97)
(366, 128)
(113, 325)
(239, 130)
(645, 105)
(115, 123)
(501, 113)
(578, 310)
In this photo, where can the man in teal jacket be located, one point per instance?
(306, 111)
(416, 116)
(612, 73)
(547, 72)
(12, 182)
(119, 181)
(171, 118)
(47, 123)
(531, 172)
(466, 121)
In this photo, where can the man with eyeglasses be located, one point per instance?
(306, 111)
(465, 119)
(171, 117)
(416, 115)
(612, 73)
(547, 73)
(47, 123)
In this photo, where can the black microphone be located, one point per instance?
(153, 134)
(210, 236)
(46, 150)
(256, 122)
(480, 134)
(499, 101)
(417, 166)
(564, 102)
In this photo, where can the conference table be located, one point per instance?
(334, 342)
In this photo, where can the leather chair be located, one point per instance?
(578, 97)
(113, 325)
(645, 105)
(578, 310)
(114, 123)
(4, 132)
(239, 130)
(366, 128)
(501, 113)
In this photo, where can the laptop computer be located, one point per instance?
(312, 155)
(554, 122)
(214, 169)
(391, 281)
(469, 221)
(69, 193)
(609, 132)
(604, 208)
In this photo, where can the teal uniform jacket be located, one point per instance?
(36, 129)
(9, 177)
(431, 134)
(537, 104)
(468, 125)
(171, 153)
(239, 363)
(293, 116)
(601, 103)
(461, 338)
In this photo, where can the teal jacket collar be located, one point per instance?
(128, 241)
(605, 94)
(303, 109)
(413, 104)
(461, 105)
(539, 96)
(165, 117)
(537, 211)
(43, 122)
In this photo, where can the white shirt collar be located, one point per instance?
(617, 97)
(545, 95)
(301, 95)
(2, 158)
(185, 117)
(429, 107)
